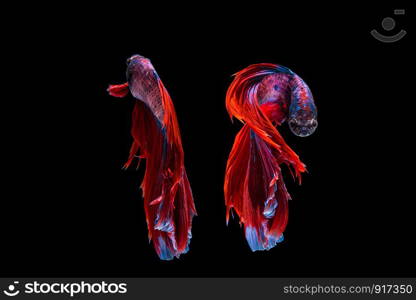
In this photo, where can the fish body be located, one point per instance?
(143, 84)
(273, 96)
(167, 194)
(284, 96)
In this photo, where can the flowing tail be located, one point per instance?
(168, 200)
(254, 185)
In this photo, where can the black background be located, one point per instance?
(72, 211)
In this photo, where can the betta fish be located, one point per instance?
(168, 200)
(264, 96)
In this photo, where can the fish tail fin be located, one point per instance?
(169, 204)
(254, 188)
(118, 90)
(254, 185)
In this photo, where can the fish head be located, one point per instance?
(138, 59)
(303, 122)
(139, 65)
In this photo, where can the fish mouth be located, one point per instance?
(302, 128)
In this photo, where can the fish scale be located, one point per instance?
(144, 86)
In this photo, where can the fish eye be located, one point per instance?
(128, 60)
(292, 122)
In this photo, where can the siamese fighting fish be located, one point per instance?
(168, 200)
(264, 96)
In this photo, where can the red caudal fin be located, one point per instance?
(118, 90)
(254, 188)
(254, 185)
(168, 200)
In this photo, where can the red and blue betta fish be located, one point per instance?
(263, 96)
(168, 200)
